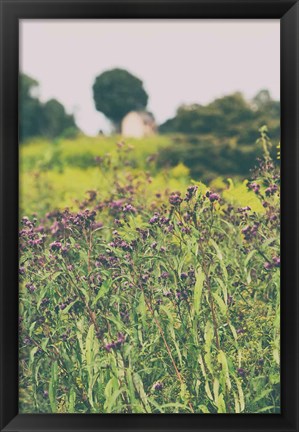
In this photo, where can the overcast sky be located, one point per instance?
(179, 61)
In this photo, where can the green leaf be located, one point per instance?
(221, 304)
(142, 309)
(221, 408)
(31, 356)
(200, 278)
(204, 409)
(53, 387)
(249, 256)
(140, 389)
(220, 257)
(71, 401)
(241, 395)
(208, 335)
(225, 372)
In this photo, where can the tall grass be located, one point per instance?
(152, 293)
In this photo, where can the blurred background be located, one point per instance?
(189, 95)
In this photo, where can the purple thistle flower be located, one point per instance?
(128, 208)
(22, 270)
(27, 340)
(255, 187)
(268, 266)
(276, 261)
(158, 386)
(164, 275)
(30, 287)
(241, 372)
(154, 219)
(55, 246)
(109, 346)
(212, 196)
(120, 340)
(175, 199)
(191, 190)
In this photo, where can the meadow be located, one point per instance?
(143, 288)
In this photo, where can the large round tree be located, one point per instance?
(117, 92)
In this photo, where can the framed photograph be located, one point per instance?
(149, 233)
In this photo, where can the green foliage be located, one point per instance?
(116, 92)
(151, 293)
(38, 119)
(230, 119)
(208, 157)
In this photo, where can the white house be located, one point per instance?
(138, 124)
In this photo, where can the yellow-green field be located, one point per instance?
(58, 174)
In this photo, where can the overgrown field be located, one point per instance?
(142, 289)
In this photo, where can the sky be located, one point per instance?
(179, 61)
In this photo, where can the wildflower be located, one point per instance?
(128, 208)
(158, 386)
(268, 266)
(175, 199)
(271, 190)
(109, 346)
(22, 270)
(184, 275)
(55, 246)
(241, 372)
(186, 230)
(45, 394)
(30, 287)
(145, 277)
(181, 295)
(120, 340)
(164, 220)
(212, 196)
(240, 331)
(255, 187)
(27, 340)
(191, 190)
(170, 228)
(45, 301)
(64, 250)
(276, 261)
(167, 294)
(154, 219)
(154, 245)
(164, 275)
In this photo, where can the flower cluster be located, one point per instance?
(115, 344)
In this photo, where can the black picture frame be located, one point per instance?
(288, 13)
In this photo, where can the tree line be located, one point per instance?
(117, 92)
